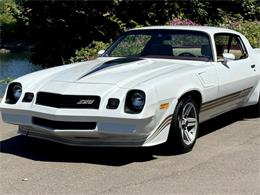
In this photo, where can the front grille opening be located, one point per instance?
(67, 101)
(63, 124)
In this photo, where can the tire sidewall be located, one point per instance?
(175, 135)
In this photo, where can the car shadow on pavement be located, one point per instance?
(229, 118)
(215, 124)
(41, 150)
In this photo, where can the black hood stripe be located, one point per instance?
(112, 63)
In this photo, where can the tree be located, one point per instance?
(57, 28)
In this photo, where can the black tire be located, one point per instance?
(257, 107)
(176, 137)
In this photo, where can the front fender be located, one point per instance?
(254, 96)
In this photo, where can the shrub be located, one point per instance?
(88, 53)
(6, 80)
(250, 29)
(8, 12)
(177, 21)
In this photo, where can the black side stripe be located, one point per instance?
(226, 99)
(110, 63)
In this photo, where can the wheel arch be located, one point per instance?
(175, 137)
(196, 96)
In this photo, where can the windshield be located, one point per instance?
(168, 44)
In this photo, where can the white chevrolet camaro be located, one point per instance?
(152, 85)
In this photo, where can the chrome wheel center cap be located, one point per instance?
(184, 122)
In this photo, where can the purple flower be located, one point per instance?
(177, 21)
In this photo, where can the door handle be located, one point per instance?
(253, 66)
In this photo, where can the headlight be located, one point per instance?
(135, 100)
(14, 93)
(17, 92)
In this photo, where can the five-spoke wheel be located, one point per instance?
(188, 123)
(185, 125)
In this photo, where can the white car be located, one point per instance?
(152, 85)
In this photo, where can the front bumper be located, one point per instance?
(109, 131)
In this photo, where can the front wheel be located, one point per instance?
(257, 106)
(185, 125)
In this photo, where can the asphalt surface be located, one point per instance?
(225, 160)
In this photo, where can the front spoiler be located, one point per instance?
(109, 131)
(103, 141)
(116, 130)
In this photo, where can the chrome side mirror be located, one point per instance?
(227, 57)
(100, 52)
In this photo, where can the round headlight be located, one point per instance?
(138, 100)
(135, 101)
(17, 91)
(14, 93)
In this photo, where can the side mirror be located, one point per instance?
(100, 52)
(227, 57)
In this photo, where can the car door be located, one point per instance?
(237, 77)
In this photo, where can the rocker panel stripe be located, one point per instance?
(226, 99)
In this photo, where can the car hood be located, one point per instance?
(123, 72)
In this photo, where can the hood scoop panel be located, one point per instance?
(124, 72)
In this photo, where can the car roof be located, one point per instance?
(208, 29)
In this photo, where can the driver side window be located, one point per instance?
(229, 43)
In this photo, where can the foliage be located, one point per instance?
(57, 28)
(12, 20)
(6, 80)
(251, 9)
(132, 45)
(177, 21)
(8, 12)
(215, 12)
(56, 34)
(250, 29)
(89, 52)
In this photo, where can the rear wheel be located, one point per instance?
(185, 125)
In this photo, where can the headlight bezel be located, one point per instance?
(130, 108)
(10, 95)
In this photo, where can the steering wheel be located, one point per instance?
(186, 54)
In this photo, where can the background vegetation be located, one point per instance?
(63, 31)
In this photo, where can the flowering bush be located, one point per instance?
(177, 21)
(250, 29)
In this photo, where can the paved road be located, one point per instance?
(225, 160)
